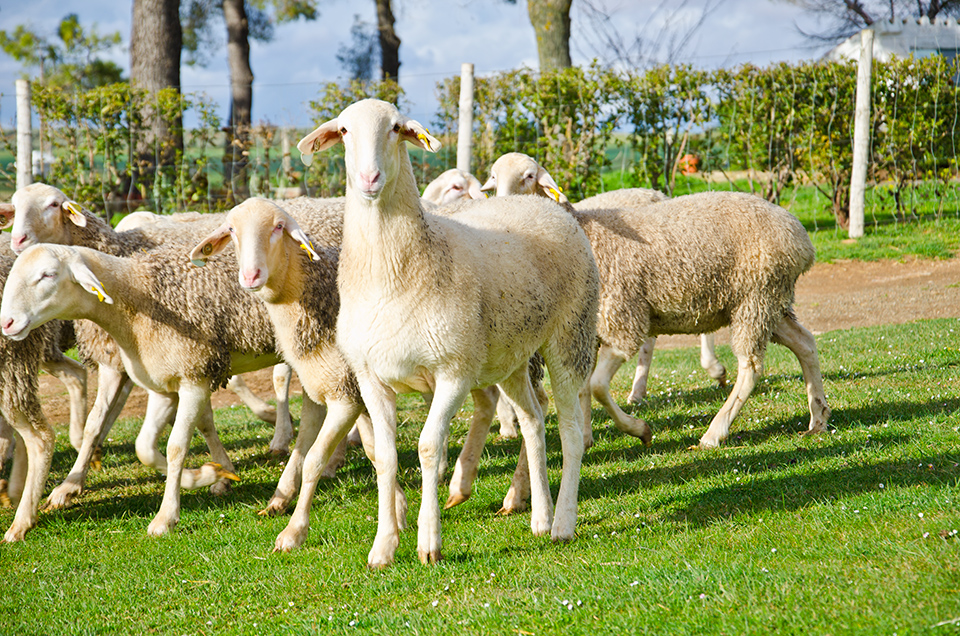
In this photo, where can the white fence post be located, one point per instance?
(24, 135)
(465, 127)
(861, 136)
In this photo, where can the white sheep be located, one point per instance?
(694, 264)
(431, 303)
(452, 185)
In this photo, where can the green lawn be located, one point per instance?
(852, 532)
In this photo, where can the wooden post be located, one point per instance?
(465, 127)
(861, 136)
(24, 135)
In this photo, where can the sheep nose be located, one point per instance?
(368, 180)
(250, 279)
(18, 241)
(7, 323)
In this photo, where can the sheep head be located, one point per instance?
(517, 173)
(46, 282)
(453, 185)
(43, 214)
(372, 132)
(257, 227)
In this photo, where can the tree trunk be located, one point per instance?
(155, 42)
(551, 24)
(241, 100)
(389, 42)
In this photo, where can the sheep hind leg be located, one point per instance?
(73, 375)
(709, 361)
(312, 416)
(749, 370)
(791, 334)
(609, 362)
(283, 433)
(341, 414)
(638, 392)
(519, 390)
(364, 429)
(38, 441)
(6, 442)
(566, 396)
(465, 470)
(218, 473)
(507, 417)
(260, 407)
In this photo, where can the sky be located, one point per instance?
(437, 36)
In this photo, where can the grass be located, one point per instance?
(852, 532)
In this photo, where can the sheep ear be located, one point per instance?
(474, 189)
(88, 280)
(327, 135)
(550, 186)
(491, 184)
(293, 229)
(414, 132)
(211, 246)
(7, 212)
(75, 213)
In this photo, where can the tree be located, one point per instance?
(847, 17)
(155, 42)
(551, 24)
(389, 41)
(69, 60)
(359, 58)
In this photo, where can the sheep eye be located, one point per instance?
(343, 130)
(396, 128)
(279, 227)
(233, 230)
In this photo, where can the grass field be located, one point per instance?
(852, 532)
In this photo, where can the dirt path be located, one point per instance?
(830, 296)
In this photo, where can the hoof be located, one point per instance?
(279, 452)
(276, 507)
(15, 534)
(722, 380)
(429, 557)
(290, 539)
(455, 500)
(220, 488)
(96, 462)
(4, 495)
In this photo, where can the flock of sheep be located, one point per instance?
(377, 293)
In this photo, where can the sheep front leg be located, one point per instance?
(220, 472)
(161, 410)
(283, 433)
(73, 375)
(312, 416)
(709, 361)
(38, 441)
(519, 391)
(193, 399)
(566, 396)
(801, 342)
(749, 370)
(609, 362)
(639, 389)
(341, 415)
(113, 389)
(447, 399)
(364, 430)
(381, 403)
(507, 417)
(465, 470)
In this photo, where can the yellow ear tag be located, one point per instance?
(310, 252)
(556, 194)
(423, 138)
(99, 295)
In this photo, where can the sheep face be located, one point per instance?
(44, 214)
(517, 173)
(46, 282)
(453, 185)
(372, 132)
(258, 229)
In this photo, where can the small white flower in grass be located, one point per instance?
(634, 584)
(209, 622)
(352, 623)
(926, 534)
(486, 604)
(596, 536)
(703, 597)
(882, 486)
(920, 514)
(773, 550)
(290, 603)
(435, 603)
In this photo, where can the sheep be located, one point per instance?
(694, 264)
(20, 408)
(449, 304)
(282, 375)
(517, 173)
(452, 185)
(302, 300)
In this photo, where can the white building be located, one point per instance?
(903, 37)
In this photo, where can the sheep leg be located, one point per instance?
(260, 407)
(518, 389)
(161, 410)
(609, 362)
(341, 414)
(639, 389)
(38, 440)
(312, 416)
(283, 433)
(508, 419)
(113, 387)
(566, 397)
(749, 370)
(193, 399)
(381, 403)
(465, 470)
(6, 442)
(220, 470)
(10, 494)
(364, 429)
(73, 375)
(801, 342)
(709, 361)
